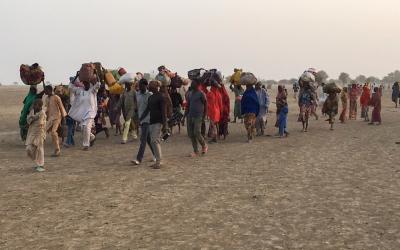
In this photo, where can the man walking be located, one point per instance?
(55, 112)
(196, 112)
(142, 97)
(158, 120)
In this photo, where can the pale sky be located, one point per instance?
(274, 39)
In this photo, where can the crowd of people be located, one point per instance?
(151, 110)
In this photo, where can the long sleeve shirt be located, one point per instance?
(55, 108)
(85, 103)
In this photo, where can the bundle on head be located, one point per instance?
(331, 88)
(235, 78)
(248, 78)
(87, 73)
(31, 75)
(212, 77)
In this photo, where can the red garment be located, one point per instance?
(203, 88)
(365, 96)
(376, 102)
(226, 104)
(214, 103)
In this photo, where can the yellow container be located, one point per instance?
(109, 78)
(116, 89)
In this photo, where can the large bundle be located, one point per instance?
(196, 74)
(127, 78)
(212, 77)
(86, 74)
(248, 78)
(31, 75)
(235, 78)
(331, 88)
(307, 77)
(163, 78)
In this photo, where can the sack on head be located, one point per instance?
(212, 77)
(235, 78)
(331, 88)
(307, 77)
(196, 74)
(127, 77)
(31, 75)
(86, 74)
(248, 78)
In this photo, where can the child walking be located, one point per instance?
(36, 135)
(282, 121)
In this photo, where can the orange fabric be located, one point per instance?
(214, 102)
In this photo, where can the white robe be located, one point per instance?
(84, 106)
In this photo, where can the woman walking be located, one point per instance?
(250, 109)
(343, 98)
(376, 102)
(225, 112)
(364, 102)
(238, 91)
(395, 93)
(306, 100)
(353, 96)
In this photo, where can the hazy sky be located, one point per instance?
(272, 38)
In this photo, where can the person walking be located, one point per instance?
(214, 102)
(84, 110)
(364, 102)
(196, 112)
(263, 100)
(142, 97)
(237, 110)
(36, 136)
(343, 98)
(395, 93)
(376, 103)
(28, 100)
(331, 107)
(158, 120)
(129, 109)
(225, 112)
(55, 113)
(250, 110)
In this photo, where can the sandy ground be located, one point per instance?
(315, 190)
